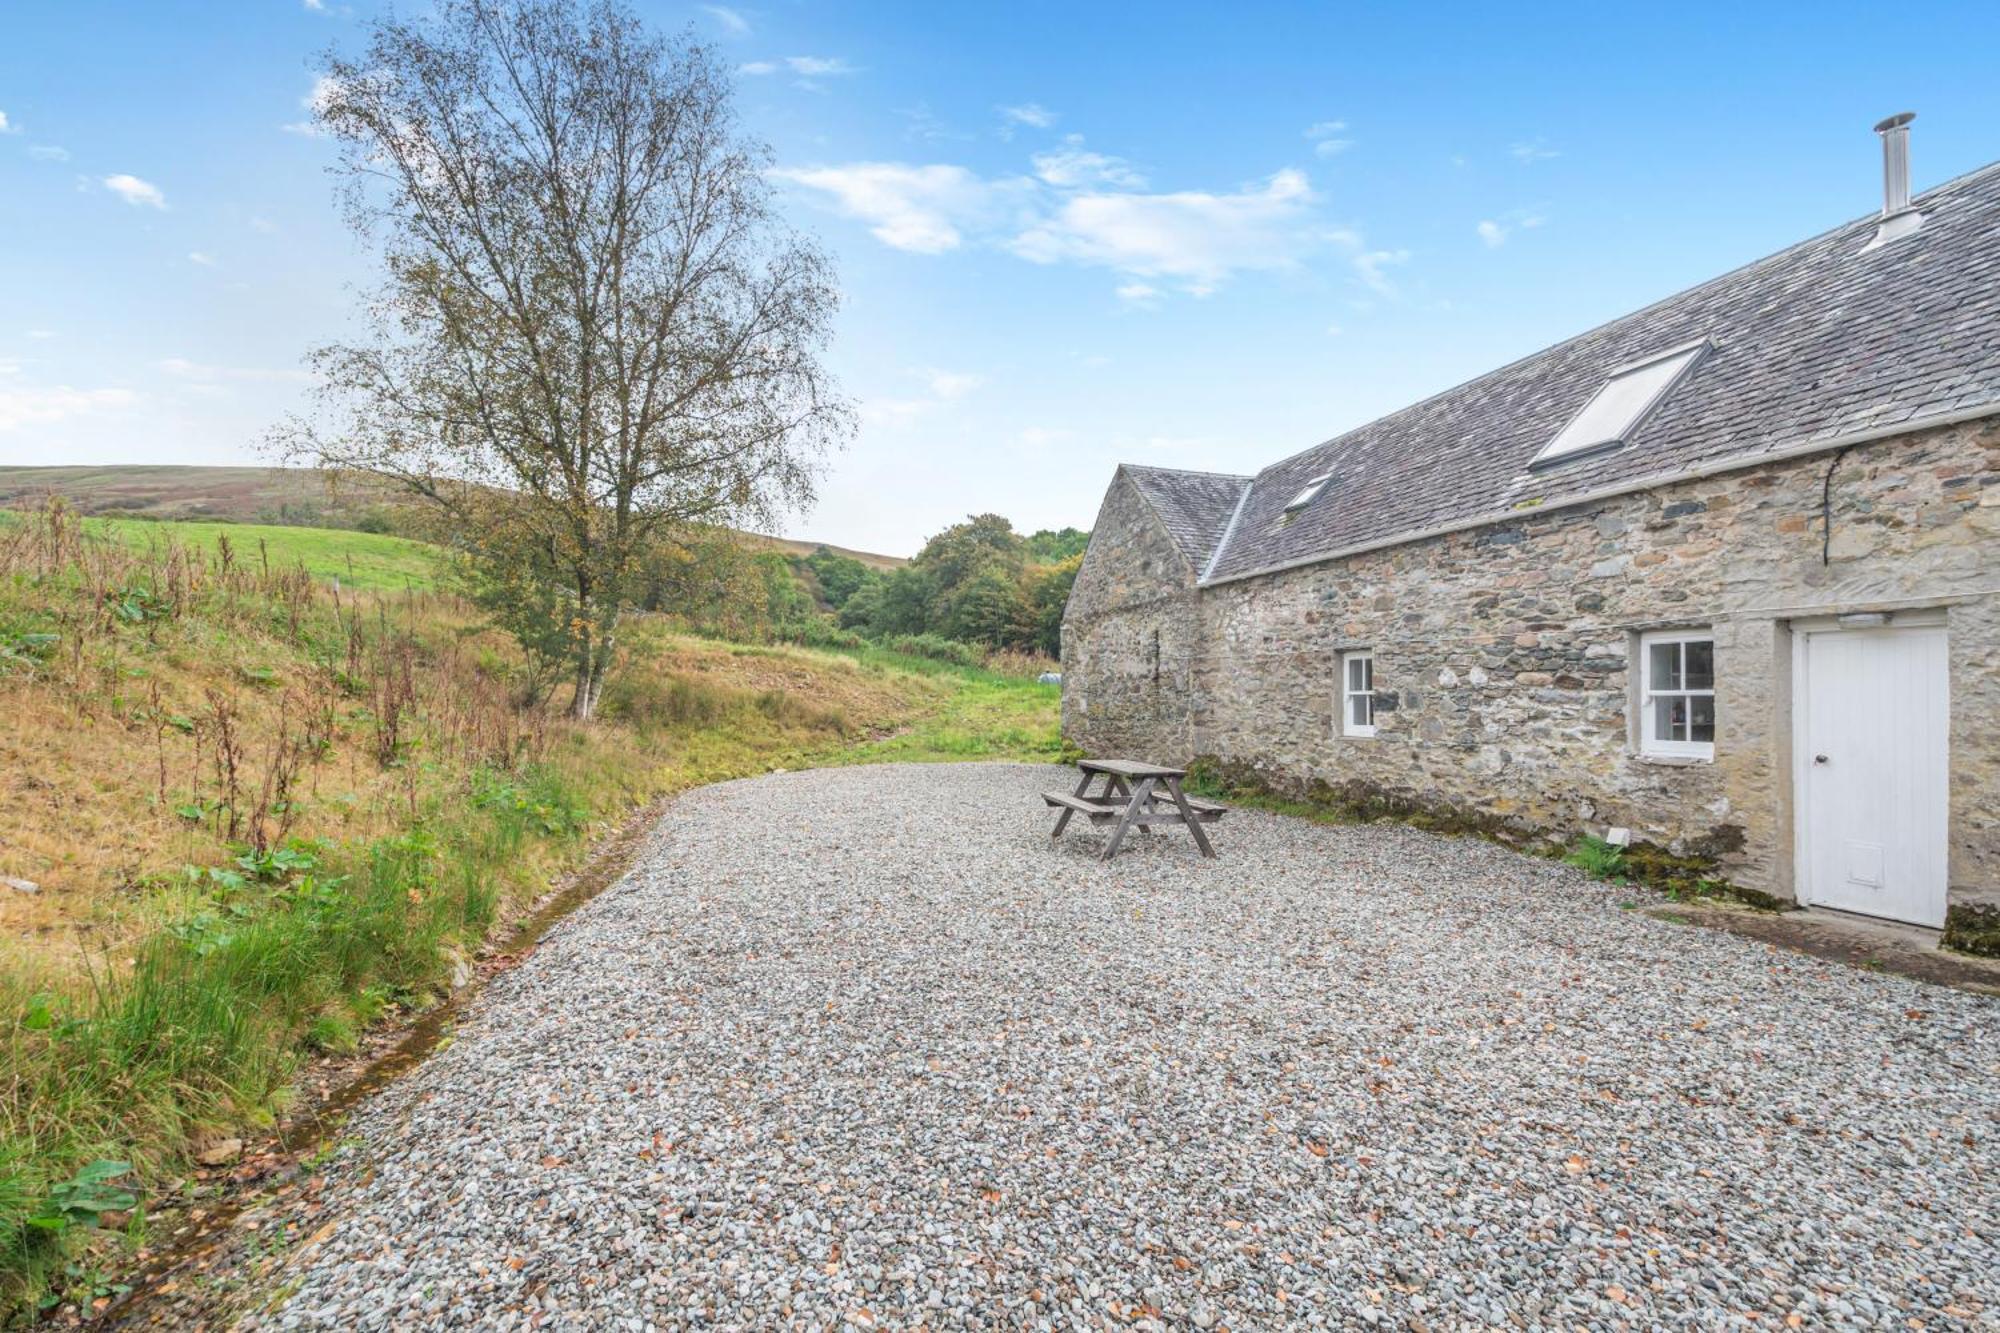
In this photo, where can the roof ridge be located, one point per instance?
(1725, 276)
(1190, 472)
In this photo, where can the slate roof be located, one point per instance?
(1814, 343)
(1194, 506)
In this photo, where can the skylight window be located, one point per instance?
(1306, 496)
(1621, 403)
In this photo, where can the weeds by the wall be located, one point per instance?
(1692, 873)
(1598, 859)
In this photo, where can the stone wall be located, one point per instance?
(1501, 653)
(1128, 637)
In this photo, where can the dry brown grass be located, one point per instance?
(191, 701)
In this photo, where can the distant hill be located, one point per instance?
(281, 495)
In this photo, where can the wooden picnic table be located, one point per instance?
(1136, 794)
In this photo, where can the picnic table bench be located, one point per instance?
(1135, 794)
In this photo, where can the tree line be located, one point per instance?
(977, 582)
(979, 585)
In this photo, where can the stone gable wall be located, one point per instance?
(1502, 652)
(1128, 638)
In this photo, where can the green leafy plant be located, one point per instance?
(24, 649)
(85, 1197)
(1598, 859)
(40, 1015)
(138, 604)
(220, 880)
(198, 809)
(276, 864)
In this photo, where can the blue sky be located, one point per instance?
(1069, 235)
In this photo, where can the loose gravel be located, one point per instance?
(863, 1048)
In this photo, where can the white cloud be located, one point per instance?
(1329, 137)
(1074, 165)
(921, 209)
(263, 224)
(324, 89)
(41, 406)
(7, 126)
(1369, 264)
(1192, 235)
(943, 386)
(730, 20)
(316, 6)
(1496, 231)
(48, 152)
(205, 260)
(807, 68)
(893, 413)
(201, 373)
(1532, 150)
(1029, 113)
(41, 335)
(1087, 208)
(135, 192)
(814, 67)
(948, 384)
(925, 125)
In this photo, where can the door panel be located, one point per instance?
(1873, 795)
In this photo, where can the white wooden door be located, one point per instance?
(1872, 773)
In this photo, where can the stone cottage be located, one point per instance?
(1723, 573)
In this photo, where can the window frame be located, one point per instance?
(1308, 493)
(1666, 747)
(1687, 355)
(1348, 726)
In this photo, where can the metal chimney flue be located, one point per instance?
(1898, 218)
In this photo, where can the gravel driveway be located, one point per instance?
(827, 1055)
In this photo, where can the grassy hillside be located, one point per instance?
(357, 560)
(265, 495)
(249, 815)
(237, 494)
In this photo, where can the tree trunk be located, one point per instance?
(583, 701)
(593, 662)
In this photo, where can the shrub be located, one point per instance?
(821, 632)
(936, 647)
(1014, 662)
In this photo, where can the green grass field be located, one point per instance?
(985, 716)
(358, 559)
(363, 560)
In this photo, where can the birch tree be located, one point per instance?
(592, 328)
